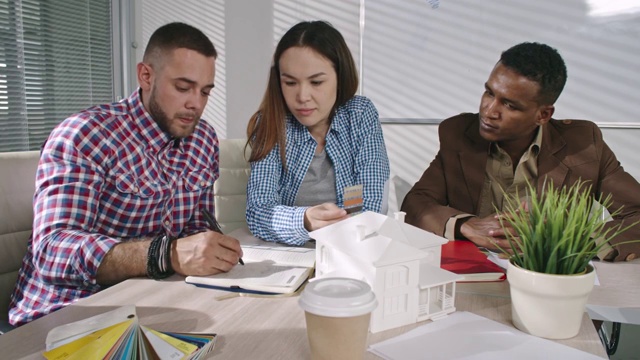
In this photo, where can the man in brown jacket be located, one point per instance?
(513, 140)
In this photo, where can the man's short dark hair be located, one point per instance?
(540, 63)
(178, 35)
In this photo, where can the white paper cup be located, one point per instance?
(337, 312)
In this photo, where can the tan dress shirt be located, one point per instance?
(501, 178)
(502, 181)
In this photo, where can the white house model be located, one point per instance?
(399, 261)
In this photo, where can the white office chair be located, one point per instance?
(402, 187)
(17, 186)
(231, 187)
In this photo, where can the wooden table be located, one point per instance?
(249, 327)
(617, 298)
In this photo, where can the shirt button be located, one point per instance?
(631, 257)
(167, 222)
(202, 183)
(136, 189)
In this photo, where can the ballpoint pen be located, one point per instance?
(213, 224)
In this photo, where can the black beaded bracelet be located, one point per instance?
(159, 258)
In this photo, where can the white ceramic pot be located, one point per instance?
(548, 306)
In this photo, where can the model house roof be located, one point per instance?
(376, 238)
(431, 276)
(414, 236)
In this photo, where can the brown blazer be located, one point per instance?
(571, 149)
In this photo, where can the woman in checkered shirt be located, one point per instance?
(311, 138)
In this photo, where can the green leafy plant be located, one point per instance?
(554, 233)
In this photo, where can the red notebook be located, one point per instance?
(464, 258)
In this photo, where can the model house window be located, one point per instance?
(397, 304)
(55, 59)
(397, 276)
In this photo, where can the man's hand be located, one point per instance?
(319, 216)
(488, 233)
(205, 253)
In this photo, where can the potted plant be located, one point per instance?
(553, 239)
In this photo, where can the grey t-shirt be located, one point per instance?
(319, 184)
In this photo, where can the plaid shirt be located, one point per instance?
(106, 175)
(356, 148)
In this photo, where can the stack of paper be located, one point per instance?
(118, 335)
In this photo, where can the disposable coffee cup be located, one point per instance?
(337, 312)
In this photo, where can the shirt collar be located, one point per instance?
(338, 124)
(537, 142)
(534, 148)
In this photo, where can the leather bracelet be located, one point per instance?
(159, 258)
(152, 260)
(164, 262)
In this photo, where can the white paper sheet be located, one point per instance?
(463, 335)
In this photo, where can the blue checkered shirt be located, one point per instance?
(106, 175)
(355, 146)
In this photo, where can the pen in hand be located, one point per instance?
(213, 225)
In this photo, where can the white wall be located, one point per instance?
(441, 52)
(249, 44)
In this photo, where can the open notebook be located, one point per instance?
(268, 268)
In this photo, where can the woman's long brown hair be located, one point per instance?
(267, 127)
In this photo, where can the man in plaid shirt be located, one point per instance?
(120, 187)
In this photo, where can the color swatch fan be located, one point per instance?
(118, 335)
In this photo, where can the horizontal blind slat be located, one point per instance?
(60, 63)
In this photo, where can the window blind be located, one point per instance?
(55, 59)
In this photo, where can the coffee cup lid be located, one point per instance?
(338, 297)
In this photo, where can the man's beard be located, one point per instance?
(162, 119)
